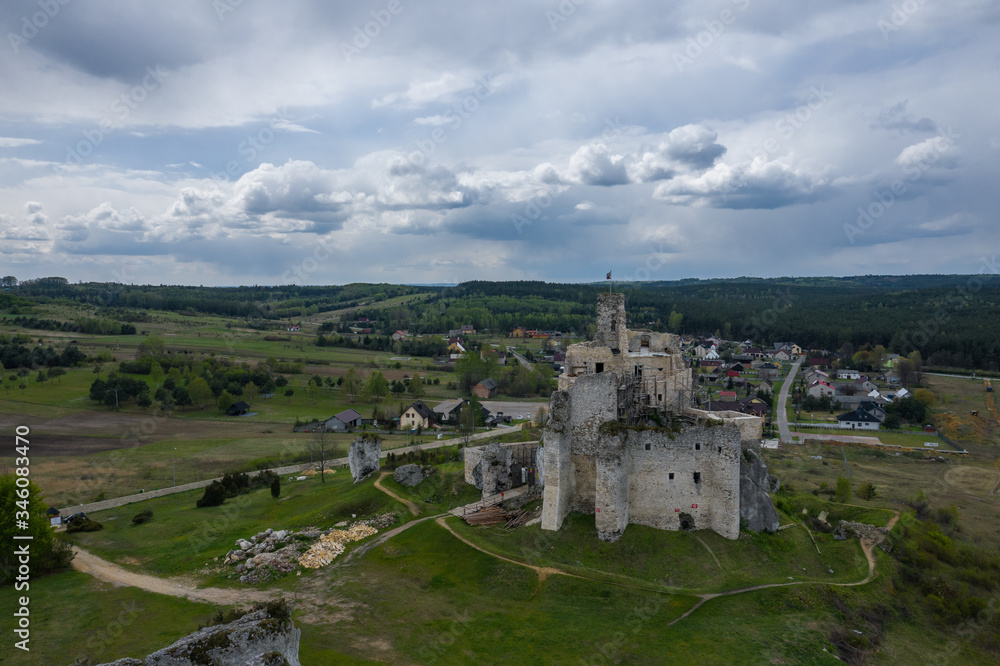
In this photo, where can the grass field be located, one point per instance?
(691, 566)
(76, 617)
(183, 539)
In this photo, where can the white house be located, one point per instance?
(859, 419)
(818, 389)
(848, 374)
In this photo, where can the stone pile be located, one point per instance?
(267, 541)
(331, 545)
(876, 536)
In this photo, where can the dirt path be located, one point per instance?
(414, 509)
(710, 553)
(543, 572)
(116, 575)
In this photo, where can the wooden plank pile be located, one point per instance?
(488, 516)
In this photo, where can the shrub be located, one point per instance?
(842, 491)
(83, 525)
(142, 517)
(215, 494)
(276, 487)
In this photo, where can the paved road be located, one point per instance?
(520, 359)
(784, 434)
(280, 471)
(515, 409)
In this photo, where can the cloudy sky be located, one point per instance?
(223, 142)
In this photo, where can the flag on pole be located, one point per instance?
(609, 275)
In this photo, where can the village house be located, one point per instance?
(417, 415)
(820, 389)
(486, 388)
(859, 419)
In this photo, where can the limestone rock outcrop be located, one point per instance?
(364, 456)
(757, 511)
(412, 475)
(256, 639)
(495, 469)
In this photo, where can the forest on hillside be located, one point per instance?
(950, 319)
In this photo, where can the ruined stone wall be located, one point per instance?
(584, 470)
(611, 500)
(750, 426)
(572, 430)
(611, 327)
(473, 454)
(559, 486)
(653, 498)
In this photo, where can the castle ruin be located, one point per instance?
(624, 443)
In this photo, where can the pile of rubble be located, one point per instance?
(876, 536)
(263, 556)
(331, 545)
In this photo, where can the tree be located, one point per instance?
(144, 401)
(200, 392)
(56, 373)
(918, 365)
(417, 387)
(674, 321)
(904, 368)
(48, 552)
(925, 397)
(868, 491)
(153, 346)
(289, 393)
(321, 440)
(312, 389)
(156, 372)
(376, 386)
(877, 357)
(225, 400)
(276, 487)
(892, 422)
(352, 385)
(250, 390)
(842, 491)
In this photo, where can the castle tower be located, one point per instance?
(611, 331)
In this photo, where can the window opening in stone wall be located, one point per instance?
(720, 449)
(670, 476)
(638, 371)
(697, 447)
(598, 367)
(648, 446)
(614, 324)
(644, 343)
(697, 477)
